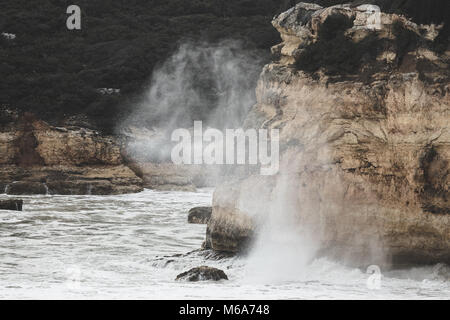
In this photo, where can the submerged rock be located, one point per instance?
(11, 204)
(199, 215)
(203, 273)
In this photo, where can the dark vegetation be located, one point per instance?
(337, 55)
(54, 72)
(335, 52)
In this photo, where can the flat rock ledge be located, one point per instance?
(11, 204)
(199, 215)
(202, 273)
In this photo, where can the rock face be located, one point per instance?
(12, 204)
(168, 176)
(202, 274)
(364, 135)
(37, 158)
(199, 215)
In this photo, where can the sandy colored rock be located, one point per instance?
(365, 162)
(38, 158)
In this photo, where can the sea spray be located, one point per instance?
(89, 189)
(212, 83)
(46, 189)
(283, 248)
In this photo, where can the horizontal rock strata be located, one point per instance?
(37, 158)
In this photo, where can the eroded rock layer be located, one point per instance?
(37, 158)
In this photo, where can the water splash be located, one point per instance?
(283, 248)
(46, 189)
(214, 83)
(89, 189)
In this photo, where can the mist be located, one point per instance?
(283, 248)
(214, 83)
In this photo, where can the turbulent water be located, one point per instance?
(133, 246)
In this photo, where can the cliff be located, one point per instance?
(362, 103)
(37, 158)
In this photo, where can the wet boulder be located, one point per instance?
(202, 273)
(199, 215)
(11, 204)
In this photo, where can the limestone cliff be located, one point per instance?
(37, 158)
(363, 112)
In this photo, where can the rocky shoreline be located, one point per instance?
(365, 163)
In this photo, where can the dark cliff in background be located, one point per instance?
(55, 73)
